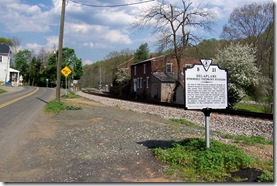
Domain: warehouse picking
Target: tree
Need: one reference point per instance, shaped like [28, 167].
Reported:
[174, 25]
[6, 41]
[142, 53]
[253, 24]
[69, 59]
[248, 22]
[206, 48]
[22, 62]
[243, 74]
[34, 71]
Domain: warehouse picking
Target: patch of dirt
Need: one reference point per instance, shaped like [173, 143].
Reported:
[83, 102]
[248, 175]
[264, 152]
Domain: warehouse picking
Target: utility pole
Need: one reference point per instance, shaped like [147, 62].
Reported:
[58, 87]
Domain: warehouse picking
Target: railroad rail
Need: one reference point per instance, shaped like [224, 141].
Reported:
[155, 102]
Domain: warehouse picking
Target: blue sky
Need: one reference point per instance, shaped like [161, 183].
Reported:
[92, 32]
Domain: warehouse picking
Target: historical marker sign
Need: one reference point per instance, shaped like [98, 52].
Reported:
[206, 87]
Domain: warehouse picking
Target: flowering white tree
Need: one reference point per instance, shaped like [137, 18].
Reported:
[243, 74]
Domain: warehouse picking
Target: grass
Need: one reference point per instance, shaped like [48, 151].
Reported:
[195, 163]
[191, 161]
[56, 107]
[252, 140]
[186, 122]
[71, 95]
[2, 91]
[255, 107]
[251, 108]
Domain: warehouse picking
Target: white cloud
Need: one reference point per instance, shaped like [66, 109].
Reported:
[87, 62]
[90, 44]
[83, 31]
[34, 47]
[51, 45]
[116, 36]
[113, 17]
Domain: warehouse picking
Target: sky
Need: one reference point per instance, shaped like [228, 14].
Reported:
[93, 32]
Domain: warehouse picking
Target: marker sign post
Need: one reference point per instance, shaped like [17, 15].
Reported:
[206, 88]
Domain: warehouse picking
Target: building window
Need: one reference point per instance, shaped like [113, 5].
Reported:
[168, 68]
[140, 82]
[135, 70]
[188, 65]
[144, 68]
[147, 82]
[135, 85]
[1, 60]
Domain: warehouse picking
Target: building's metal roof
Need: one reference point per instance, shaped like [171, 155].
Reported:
[164, 77]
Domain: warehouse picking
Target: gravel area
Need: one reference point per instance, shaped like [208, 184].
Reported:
[234, 125]
[111, 142]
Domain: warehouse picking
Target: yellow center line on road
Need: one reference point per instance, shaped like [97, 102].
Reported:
[19, 98]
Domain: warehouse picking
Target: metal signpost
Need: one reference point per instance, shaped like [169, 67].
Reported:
[66, 71]
[206, 88]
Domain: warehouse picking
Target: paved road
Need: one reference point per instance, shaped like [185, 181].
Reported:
[20, 109]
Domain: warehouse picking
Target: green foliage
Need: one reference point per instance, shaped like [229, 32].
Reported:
[56, 107]
[252, 108]
[6, 41]
[206, 49]
[266, 177]
[2, 91]
[142, 53]
[22, 63]
[71, 95]
[36, 69]
[106, 69]
[212, 164]
[185, 122]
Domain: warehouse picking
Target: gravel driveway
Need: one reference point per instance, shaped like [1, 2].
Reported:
[96, 144]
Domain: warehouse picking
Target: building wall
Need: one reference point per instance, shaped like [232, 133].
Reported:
[156, 89]
[143, 83]
[141, 78]
[167, 92]
[4, 65]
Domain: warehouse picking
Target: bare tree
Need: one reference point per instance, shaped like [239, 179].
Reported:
[248, 22]
[16, 44]
[175, 25]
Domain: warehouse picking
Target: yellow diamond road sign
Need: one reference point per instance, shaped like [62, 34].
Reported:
[66, 71]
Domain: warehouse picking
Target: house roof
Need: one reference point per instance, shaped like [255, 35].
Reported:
[4, 48]
[13, 70]
[164, 77]
[149, 60]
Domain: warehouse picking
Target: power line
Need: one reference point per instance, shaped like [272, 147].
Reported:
[110, 6]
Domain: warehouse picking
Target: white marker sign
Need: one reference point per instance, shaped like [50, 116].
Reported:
[206, 87]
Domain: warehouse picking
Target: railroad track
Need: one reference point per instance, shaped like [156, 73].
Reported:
[154, 102]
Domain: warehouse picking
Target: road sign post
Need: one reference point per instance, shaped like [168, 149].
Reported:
[206, 88]
[66, 71]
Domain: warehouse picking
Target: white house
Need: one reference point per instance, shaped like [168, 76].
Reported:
[7, 74]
